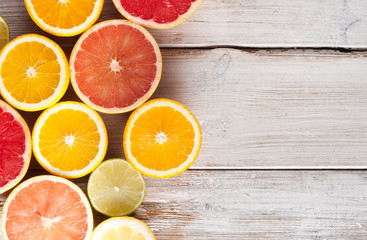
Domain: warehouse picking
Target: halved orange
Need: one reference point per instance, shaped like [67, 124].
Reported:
[34, 72]
[115, 66]
[162, 138]
[15, 147]
[45, 208]
[157, 13]
[69, 139]
[64, 17]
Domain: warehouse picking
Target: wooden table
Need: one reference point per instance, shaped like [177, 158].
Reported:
[280, 91]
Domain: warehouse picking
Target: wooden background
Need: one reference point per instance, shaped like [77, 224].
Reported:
[280, 91]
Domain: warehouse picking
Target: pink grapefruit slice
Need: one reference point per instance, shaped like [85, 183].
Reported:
[15, 147]
[45, 208]
[115, 66]
[157, 13]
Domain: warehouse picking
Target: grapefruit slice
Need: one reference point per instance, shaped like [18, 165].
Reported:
[45, 208]
[157, 13]
[64, 17]
[162, 138]
[15, 147]
[115, 66]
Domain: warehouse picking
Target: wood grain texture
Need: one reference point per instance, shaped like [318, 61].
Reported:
[209, 205]
[250, 23]
[265, 109]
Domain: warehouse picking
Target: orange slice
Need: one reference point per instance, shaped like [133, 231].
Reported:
[157, 13]
[34, 72]
[162, 138]
[122, 228]
[15, 147]
[44, 208]
[115, 66]
[64, 17]
[69, 139]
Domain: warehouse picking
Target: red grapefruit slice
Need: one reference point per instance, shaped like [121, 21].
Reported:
[157, 13]
[115, 66]
[45, 208]
[15, 147]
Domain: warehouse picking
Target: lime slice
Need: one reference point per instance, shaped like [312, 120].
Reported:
[115, 188]
[4, 32]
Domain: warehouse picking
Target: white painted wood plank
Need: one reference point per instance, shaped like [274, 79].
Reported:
[265, 110]
[250, 23]
[209, 205]
[273, 109]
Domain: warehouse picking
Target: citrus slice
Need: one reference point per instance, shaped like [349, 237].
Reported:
[64, 17]
[69, 139]
[15, 147]
[157, 13]
[115, 188]
[4, 32]
[115, 66]
[122, 228]
[34, 72]
[162, 138]
[44, 208]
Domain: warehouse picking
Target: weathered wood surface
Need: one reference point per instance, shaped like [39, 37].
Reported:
[265, 109]
[208, 205]
[245, 23]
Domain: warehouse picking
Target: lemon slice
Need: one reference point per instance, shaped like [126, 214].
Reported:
[69, 139]
[4, 32]
[115, 188]
[122, 228]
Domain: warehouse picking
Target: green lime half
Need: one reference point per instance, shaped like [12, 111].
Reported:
[4, 32]
[115, 188]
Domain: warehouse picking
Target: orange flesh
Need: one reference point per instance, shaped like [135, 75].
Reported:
[129, 52]
[31, 86]
[50, 204]
[63, 15]
[170, 153]
[61, 125]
